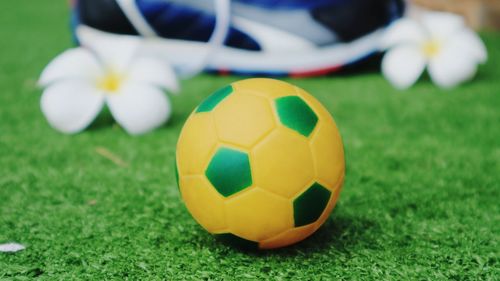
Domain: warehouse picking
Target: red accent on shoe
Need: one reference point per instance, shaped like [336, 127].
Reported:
[315, 72]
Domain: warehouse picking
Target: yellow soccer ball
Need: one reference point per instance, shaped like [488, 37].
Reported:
[260, 161]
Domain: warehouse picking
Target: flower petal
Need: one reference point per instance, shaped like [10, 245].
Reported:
[115, 51]
[71, 105]
[73, 63]
[11, 247]
[403, 31]
[452, 66]
[403, 65]
[139, 108]
[154, 71]
[442, 25]
[471, 43]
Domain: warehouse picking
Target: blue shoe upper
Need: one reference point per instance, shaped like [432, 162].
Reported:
[194, 20]
[291, 4]
[174, 21]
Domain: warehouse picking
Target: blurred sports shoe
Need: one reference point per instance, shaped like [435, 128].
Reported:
[260, 37]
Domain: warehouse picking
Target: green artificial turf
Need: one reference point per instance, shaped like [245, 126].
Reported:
[420, 201]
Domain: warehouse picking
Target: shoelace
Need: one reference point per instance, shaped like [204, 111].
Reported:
[216, 41]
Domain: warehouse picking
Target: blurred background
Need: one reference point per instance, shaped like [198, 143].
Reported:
[480, 14]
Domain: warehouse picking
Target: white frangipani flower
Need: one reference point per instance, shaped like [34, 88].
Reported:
[80, 81]
[439, 41]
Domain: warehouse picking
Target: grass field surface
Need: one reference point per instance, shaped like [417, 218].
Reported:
[420, 200]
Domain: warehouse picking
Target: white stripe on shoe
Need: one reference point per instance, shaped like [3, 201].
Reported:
[133, 13]
[181, 53]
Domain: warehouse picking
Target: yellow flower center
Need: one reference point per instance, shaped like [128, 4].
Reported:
[431, 48]
[111, 82]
